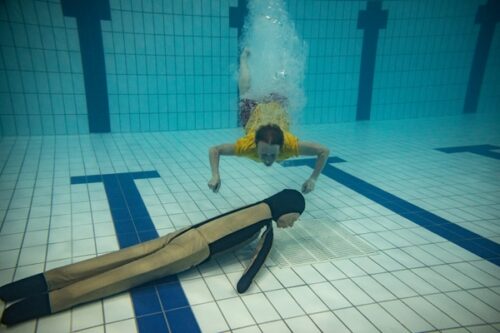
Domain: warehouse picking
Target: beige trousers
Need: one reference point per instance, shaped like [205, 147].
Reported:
[118, 271]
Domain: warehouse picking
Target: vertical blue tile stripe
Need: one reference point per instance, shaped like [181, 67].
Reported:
[371, 20]
[160, 306]
[462, 237]
[483, 150]
[237, 16]
[88, 14]
[236, 20]
[487, 16]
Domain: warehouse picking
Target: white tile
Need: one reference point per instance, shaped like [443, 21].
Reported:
[260, 308]
[330, 296]
[307, 300]
[476, 306]
[406, 316]
[348, 268]
[8, 259]
[209, 318]
[416, 283]
[354, 320]
[6, 275]
[124, 326]
[477, 274]
[458, 278]
[329, 271]
[457, 312]
[84, 247]
[431, 314]
[352, 292]
[440, 253]
[11, 241]
[58, 235]
[266, 280]
[196, 291]
[326, 321]
[284, 303]
[106, 244]
[286, 276]
[274, 327]
[55, 323]
[436, 280]
[487, 266]
[118, 308]
[59, 251]
[302, 324]
[220, 287]
[87, 315]
[377, 241]
[32, 255]
[374, 289]
[34, 238]
[368, 265]
[26, 271]
[487, 296]
[404, 259]
[82, 231]
[308, 274]
[235, 312]
[97, 329]
[249, 329]
[482, 329]
[381, 319]
[423, 256]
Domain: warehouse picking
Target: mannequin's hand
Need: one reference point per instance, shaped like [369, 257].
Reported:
[308, 186]
[214, 184]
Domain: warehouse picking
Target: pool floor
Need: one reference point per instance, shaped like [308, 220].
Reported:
[422, 194]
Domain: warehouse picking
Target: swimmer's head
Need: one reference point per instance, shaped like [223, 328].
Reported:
[269, 140]
[286, 207]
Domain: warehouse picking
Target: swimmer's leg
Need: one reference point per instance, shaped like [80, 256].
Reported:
[244, 76]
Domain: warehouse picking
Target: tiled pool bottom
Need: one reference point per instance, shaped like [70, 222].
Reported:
[432, 217]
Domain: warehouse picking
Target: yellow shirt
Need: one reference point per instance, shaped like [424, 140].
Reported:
[264, 114]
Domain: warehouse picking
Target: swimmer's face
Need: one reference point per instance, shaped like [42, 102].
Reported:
[267, 153]
[287, 220]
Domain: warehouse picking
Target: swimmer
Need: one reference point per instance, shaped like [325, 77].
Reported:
[89, 280]
[267, 138]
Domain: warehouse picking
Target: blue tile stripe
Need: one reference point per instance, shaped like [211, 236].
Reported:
[483, 150]
[488, 15]
[371, 20]
[462, 237]
[88, 14]
[160, 306]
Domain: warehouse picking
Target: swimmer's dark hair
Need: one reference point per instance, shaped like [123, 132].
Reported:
[270, 134]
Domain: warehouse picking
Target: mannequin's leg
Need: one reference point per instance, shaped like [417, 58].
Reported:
[62, 276]
[180, 254]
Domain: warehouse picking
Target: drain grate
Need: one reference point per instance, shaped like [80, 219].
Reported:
[315, 240]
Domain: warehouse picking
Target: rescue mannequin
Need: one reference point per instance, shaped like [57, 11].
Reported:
[64, 287]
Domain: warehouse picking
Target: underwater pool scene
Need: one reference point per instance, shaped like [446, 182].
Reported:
[249, 166]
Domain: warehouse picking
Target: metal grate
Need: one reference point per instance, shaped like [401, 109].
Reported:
[311, 241]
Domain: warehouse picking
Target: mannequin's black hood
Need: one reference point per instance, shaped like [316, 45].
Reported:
[284, 202]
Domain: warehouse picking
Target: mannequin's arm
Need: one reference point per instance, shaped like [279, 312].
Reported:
[261, 252]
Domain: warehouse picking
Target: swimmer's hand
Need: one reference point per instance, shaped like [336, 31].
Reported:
[308, 186]
[214, 184]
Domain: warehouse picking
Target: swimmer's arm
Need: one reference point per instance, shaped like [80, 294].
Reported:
[214, 154]
[322, 152]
